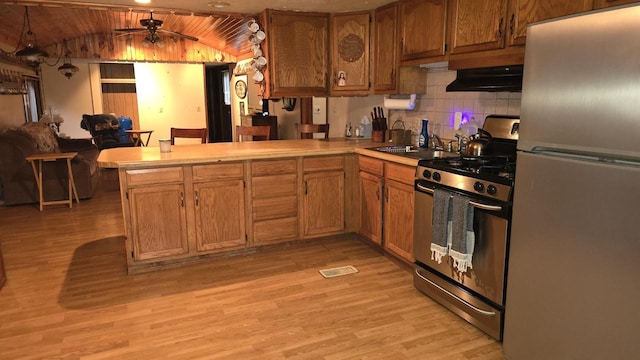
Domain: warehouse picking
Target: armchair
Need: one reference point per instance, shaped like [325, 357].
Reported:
[104, 130]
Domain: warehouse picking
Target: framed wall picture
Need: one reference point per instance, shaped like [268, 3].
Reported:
[241, 89]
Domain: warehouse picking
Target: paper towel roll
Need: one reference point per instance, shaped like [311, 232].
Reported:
[401, 104]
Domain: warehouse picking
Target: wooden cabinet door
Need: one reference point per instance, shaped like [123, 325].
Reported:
[371, 207]
[477, 25]
[298, 51]
[398, 219]
[350, 37]
[158, 221]
[599, 4]
[3, 274]
[219, 214]
[525, 12]
[323, 202]
[385, 49]
[422, 30]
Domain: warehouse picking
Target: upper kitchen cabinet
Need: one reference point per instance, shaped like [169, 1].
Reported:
[486, 33]
[384, 74]
[525, 12]
[599, 4]
[422, 28]
[297, 53]
[350, 38]
[477, 25]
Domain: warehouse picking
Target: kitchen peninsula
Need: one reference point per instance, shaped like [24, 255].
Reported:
[199, 201]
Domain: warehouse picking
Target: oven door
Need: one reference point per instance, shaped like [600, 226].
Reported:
[491, 227]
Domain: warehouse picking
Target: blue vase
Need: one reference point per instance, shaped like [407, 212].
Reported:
[423, 140]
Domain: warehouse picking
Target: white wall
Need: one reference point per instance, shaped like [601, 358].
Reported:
[170, 95]
[68, 97]
[343, 110]
[11, 111]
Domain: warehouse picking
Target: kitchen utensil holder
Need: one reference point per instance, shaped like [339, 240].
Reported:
[377, 135]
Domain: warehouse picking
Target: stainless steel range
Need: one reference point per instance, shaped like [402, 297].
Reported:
[485, 185]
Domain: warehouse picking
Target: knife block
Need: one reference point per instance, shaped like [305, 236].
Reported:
[377, 135]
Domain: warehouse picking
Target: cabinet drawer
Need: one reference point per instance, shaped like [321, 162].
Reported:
[218, 171]
[275, 208]
[154, 176]
[371, 165]
[273, 167]
[323, 163]
[273, 186]
[400, 173]
[275, 230]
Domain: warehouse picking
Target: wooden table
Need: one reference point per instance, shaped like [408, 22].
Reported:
[136, 136]
[37, 172]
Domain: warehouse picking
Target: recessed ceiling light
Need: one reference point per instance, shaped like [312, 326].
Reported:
[143, 1]
[219, 4]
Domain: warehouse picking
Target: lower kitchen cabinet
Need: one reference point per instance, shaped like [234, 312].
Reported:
[274, 189]
[219, 214]
[324, 197]
[217, 197]
[398, 209]
[371, 187]
[158, 221]
[387, 204]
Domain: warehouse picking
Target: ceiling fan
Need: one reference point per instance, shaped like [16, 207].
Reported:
[152, 27]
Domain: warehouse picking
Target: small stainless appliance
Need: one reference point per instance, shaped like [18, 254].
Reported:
[478, 294]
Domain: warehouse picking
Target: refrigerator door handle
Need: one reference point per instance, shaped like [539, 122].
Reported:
[581, 156]
[475, 308]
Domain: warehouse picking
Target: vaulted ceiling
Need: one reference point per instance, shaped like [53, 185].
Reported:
[87, 27]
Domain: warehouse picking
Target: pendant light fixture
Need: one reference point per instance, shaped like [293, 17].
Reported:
[31, 52]
[67, 68]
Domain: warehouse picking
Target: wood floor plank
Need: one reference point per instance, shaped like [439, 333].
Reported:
[68, 296]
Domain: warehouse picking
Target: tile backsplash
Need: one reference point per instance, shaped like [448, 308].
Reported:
[439, 106]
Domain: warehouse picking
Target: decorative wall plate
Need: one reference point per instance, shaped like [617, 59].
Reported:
[351, 47]
[241, 89]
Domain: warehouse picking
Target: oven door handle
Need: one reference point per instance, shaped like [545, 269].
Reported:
[475, 308]
[472, 203]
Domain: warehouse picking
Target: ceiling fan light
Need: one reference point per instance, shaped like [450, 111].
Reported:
[68, 69]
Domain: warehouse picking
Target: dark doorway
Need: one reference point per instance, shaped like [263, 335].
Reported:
[218, 103]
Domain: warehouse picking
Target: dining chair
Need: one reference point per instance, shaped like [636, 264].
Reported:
[188, 133]
[304, 129]
[256, 132]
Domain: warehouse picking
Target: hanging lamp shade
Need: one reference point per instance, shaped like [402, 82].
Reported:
[31, 52]
[68, 69]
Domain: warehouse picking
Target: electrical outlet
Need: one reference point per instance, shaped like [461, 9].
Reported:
[161, 110]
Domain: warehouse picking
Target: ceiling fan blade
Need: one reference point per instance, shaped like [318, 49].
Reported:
[134, 30]
[188, 37]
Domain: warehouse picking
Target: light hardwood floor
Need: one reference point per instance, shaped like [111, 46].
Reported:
[68, 296]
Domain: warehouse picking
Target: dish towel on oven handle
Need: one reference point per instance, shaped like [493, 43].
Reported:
[462, 237]
[441, 224]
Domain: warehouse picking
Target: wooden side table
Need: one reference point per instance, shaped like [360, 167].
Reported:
[37, 172]
[136, 136]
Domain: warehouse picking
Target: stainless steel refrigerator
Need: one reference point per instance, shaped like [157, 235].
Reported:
[573, 288]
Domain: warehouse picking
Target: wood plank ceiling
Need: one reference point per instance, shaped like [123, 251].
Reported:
[88, 32]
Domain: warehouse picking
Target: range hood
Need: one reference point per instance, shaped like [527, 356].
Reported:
[492, 79]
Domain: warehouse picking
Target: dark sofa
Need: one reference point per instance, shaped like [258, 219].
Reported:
[16, 175]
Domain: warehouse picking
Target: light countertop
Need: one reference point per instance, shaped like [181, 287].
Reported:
[130, 157]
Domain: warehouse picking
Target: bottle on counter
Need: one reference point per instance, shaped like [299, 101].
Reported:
[347, 131]
[423, 138]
